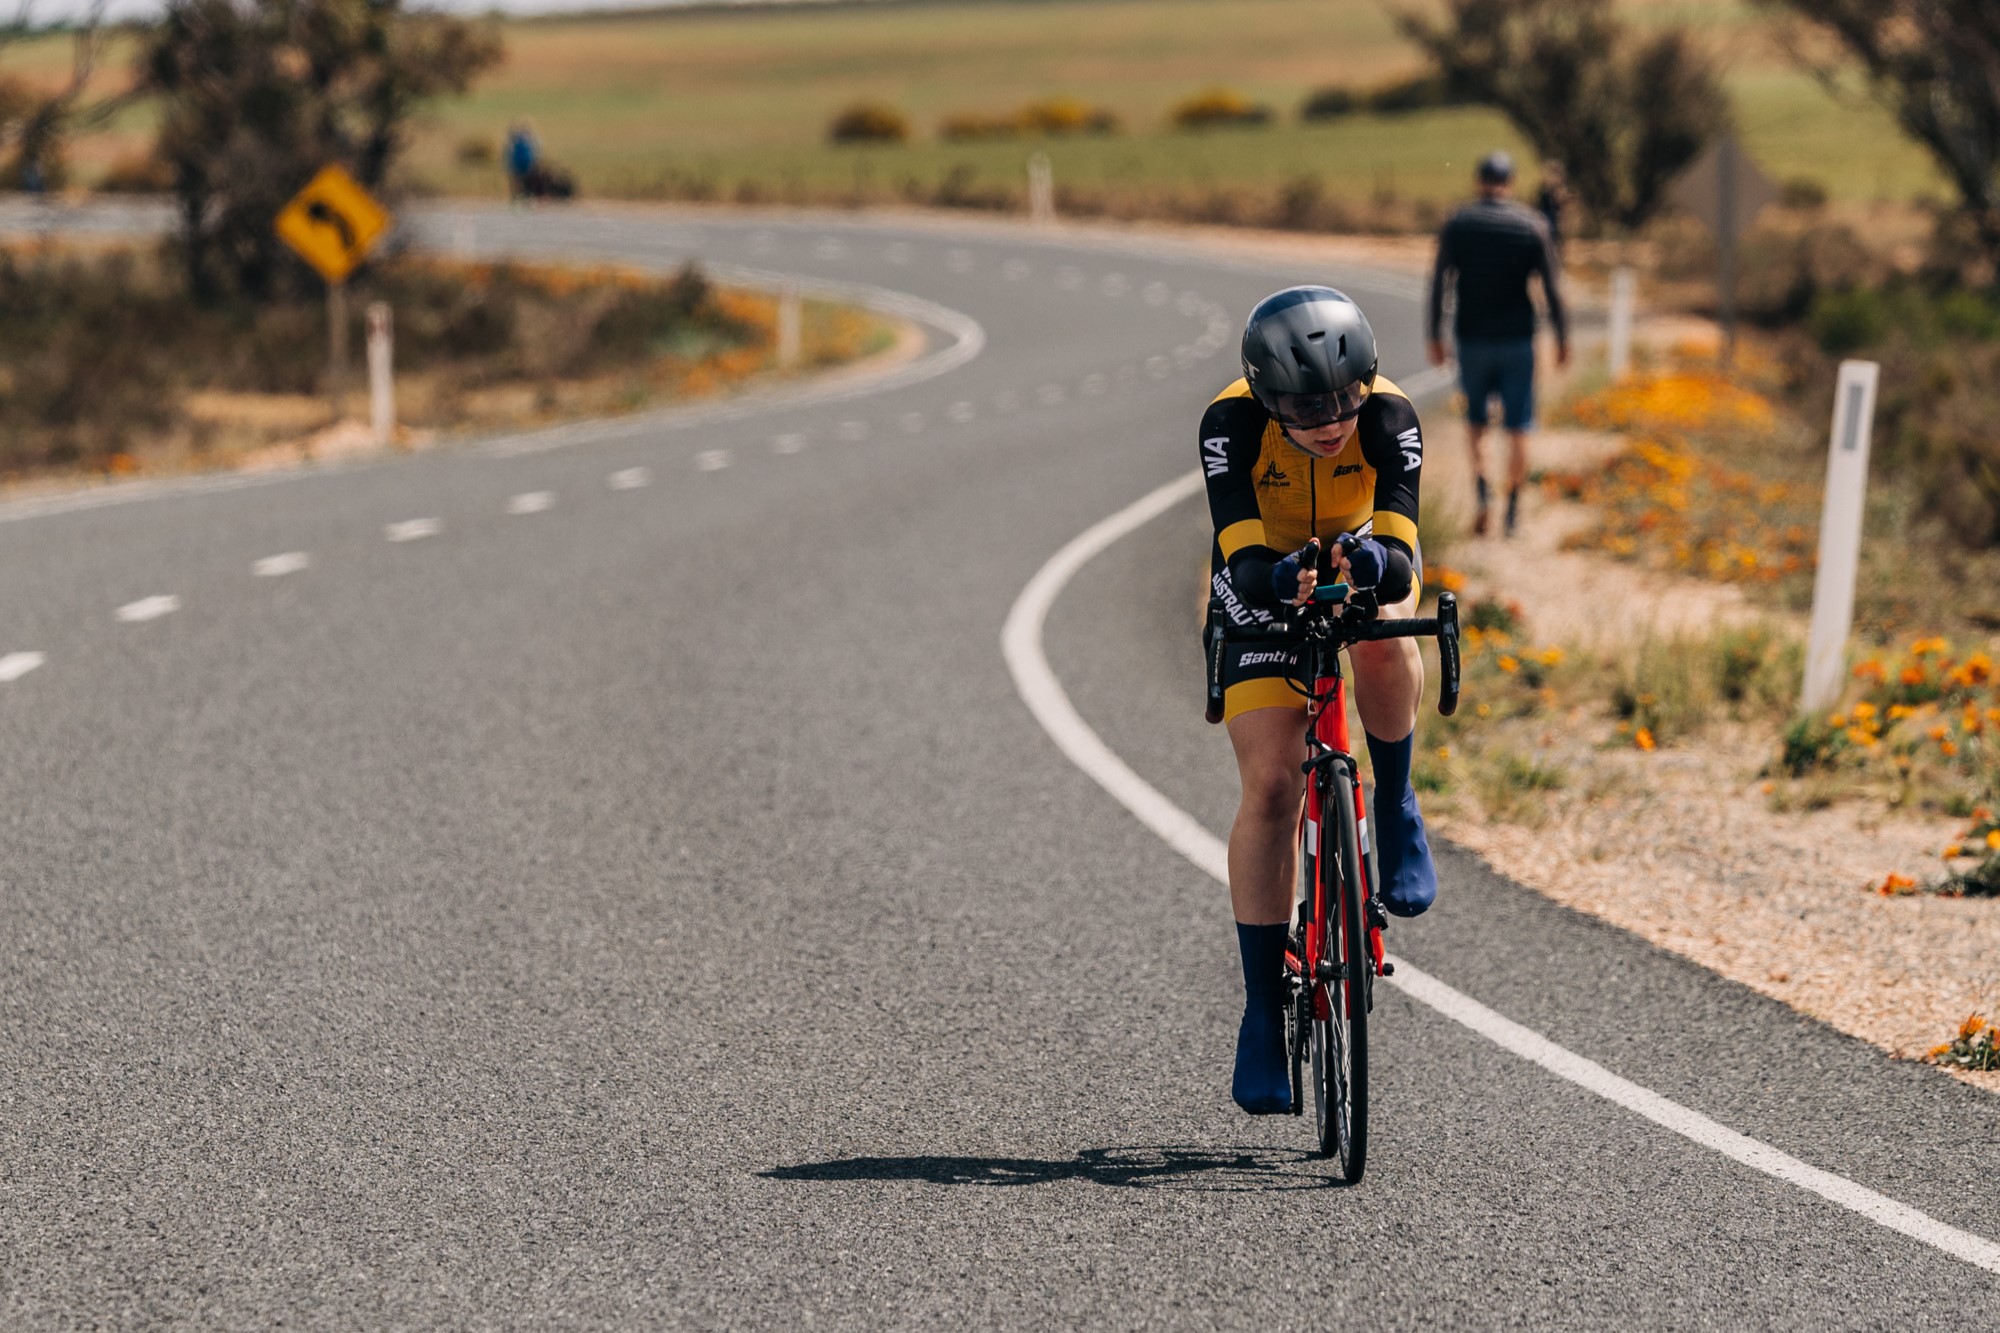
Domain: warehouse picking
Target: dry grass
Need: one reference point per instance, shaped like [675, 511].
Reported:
[106, 365]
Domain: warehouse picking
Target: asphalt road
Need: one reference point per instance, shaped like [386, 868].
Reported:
[656, 907]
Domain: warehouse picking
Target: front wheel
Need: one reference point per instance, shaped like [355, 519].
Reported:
[1340, 1004]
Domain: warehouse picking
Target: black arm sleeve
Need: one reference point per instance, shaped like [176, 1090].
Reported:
[1546, 263]
[1392, 440]
[1435, 319]
[1232, 435]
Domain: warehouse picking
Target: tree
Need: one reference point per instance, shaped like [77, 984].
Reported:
[1935, 64]
[257, 95]
[1624, 114]
[34, 122]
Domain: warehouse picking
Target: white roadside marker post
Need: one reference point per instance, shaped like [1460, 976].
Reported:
[1840, 535]
[1624, 294]
[790, 317]
[381, 377]
[1041, 190]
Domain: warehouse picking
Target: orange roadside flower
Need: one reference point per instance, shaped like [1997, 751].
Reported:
[1896, 886]
[1643, 738]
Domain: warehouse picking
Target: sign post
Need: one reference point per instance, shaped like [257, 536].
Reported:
[1840, 535]
[1624, 295]
[381, 373]
[1726, 191]
[333, 223]
[1041, 189]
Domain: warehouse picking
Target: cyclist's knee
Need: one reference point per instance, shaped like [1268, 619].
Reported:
[1272, 783]
[1271, 792]
[1387, 655]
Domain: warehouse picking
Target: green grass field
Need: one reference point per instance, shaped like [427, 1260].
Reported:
[736, 104]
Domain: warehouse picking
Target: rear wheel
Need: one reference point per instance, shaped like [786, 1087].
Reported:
[1340, 1004]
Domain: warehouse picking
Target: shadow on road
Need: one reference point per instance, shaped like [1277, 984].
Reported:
[1217, 1169]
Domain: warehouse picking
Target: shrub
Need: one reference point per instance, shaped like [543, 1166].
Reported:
[1803, 193]
[869, 122]
[1330, 104]
[1419, 92]
[1842, 322]
[1218, 106]
[1067, 115]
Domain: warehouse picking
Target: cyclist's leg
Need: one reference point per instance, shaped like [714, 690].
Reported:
[1263, 867]
[1388, 683]
[1517, 395]
[1475, 381]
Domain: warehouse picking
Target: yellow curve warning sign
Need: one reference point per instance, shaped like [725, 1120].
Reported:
[332, 223]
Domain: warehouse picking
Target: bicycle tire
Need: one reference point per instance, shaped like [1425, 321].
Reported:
[1340, 1038]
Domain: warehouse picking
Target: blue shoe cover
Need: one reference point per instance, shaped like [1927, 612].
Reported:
[1409, 881]
[1263, 1082]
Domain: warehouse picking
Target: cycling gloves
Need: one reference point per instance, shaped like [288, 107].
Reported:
[1285, 574]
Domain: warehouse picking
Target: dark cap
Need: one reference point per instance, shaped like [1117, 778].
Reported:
[1496, 168]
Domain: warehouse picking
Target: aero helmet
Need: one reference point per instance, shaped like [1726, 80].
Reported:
[1309, 356]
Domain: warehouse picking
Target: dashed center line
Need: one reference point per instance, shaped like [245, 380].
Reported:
[630, 479]
[711, 460]
[531, 502]
[961, 412]
[148, 608]
[1014, 270]
[853, 430]
[276, 566]
[413, 529]
[16, 665]
[788, 443]
[913, 422]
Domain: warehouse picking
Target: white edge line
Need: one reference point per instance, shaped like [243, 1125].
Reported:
[16, 665]
[1021, 645]
[967, 334]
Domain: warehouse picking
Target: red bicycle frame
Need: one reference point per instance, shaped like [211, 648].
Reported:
[1329, 737]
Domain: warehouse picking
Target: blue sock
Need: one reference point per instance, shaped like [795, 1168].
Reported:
[1409, 880]
[1263, 1082]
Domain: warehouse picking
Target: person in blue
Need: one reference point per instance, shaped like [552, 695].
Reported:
[1489, 250]
[520, 159]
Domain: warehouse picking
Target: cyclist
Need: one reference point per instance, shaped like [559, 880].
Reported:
[1310, 447]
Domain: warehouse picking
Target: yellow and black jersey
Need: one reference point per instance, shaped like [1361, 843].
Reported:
[1268, 497]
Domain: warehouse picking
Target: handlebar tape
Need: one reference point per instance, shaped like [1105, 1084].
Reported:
[1447, 637]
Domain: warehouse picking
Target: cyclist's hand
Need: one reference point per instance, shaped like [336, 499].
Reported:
[1562, 355]
[1437, 351]
[1294, 578]
[1362, 561]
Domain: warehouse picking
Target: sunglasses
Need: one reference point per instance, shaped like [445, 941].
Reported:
[1310, 411]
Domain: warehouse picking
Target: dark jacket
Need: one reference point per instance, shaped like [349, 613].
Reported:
[1494, 246]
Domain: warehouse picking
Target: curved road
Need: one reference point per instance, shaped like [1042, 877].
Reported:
[609, 878]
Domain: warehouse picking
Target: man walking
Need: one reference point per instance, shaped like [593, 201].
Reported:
[1492, 247]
